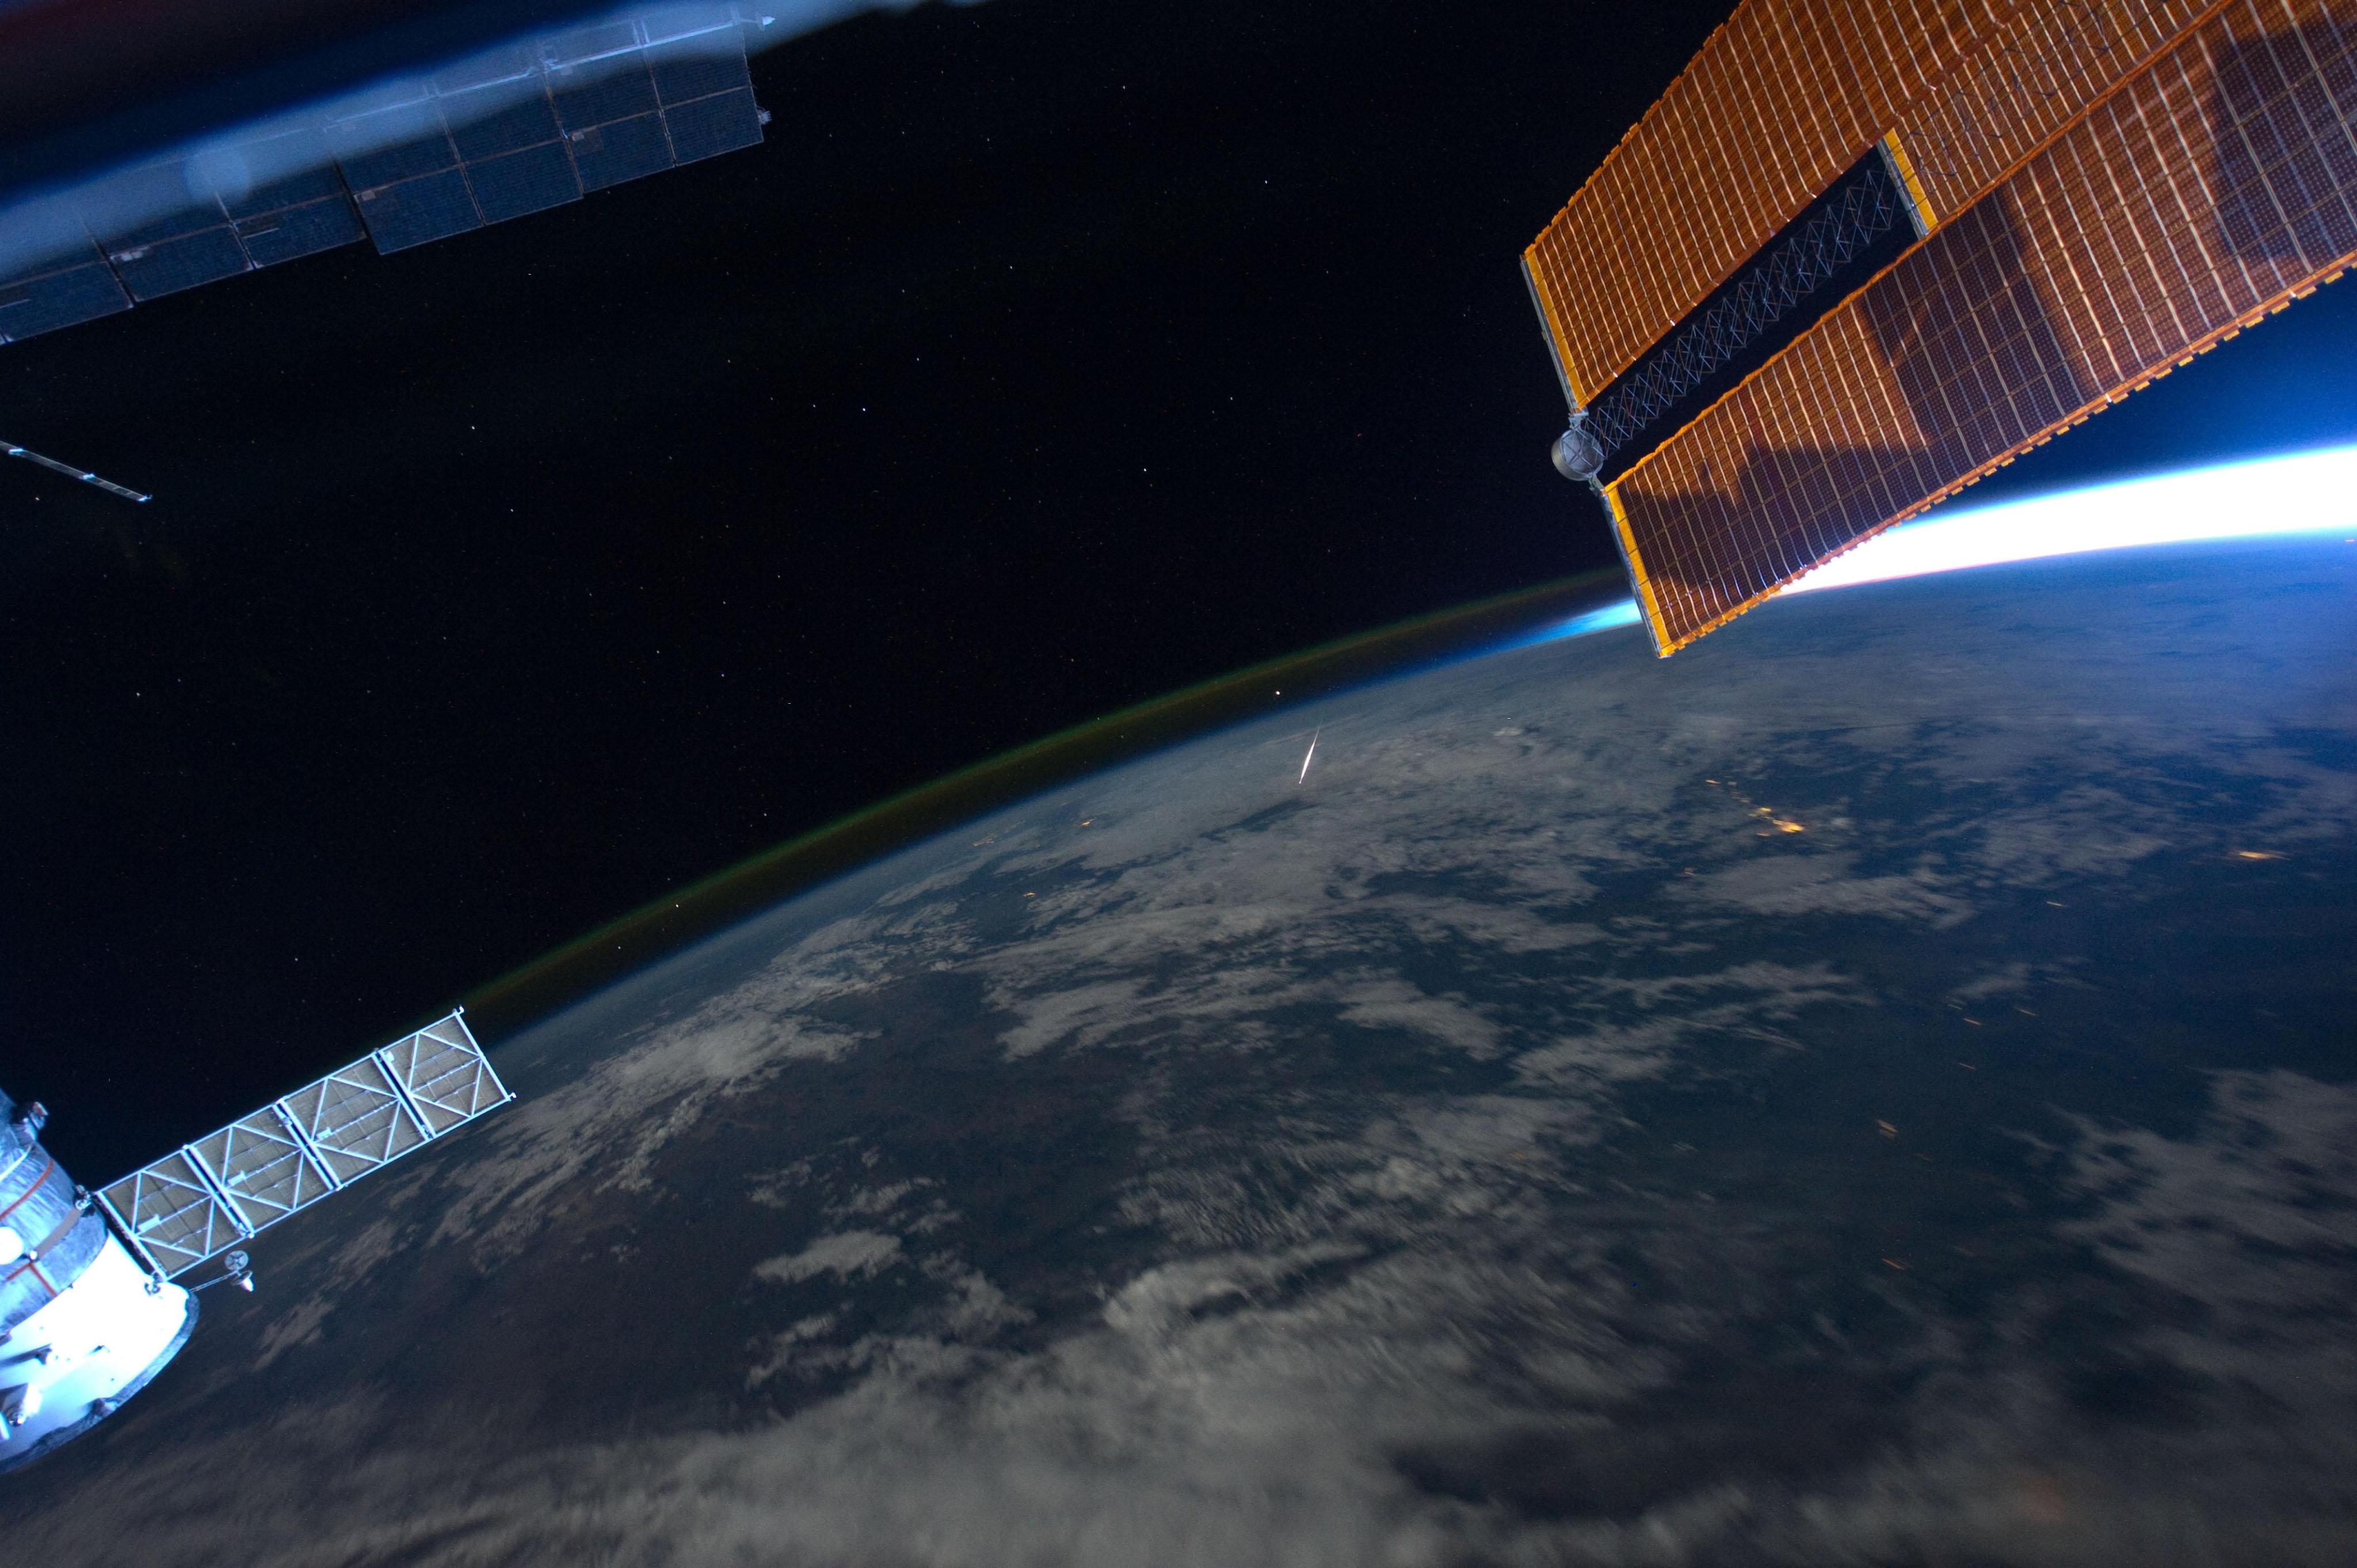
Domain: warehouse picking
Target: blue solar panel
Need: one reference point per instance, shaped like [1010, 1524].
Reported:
[528, 124]
[168, 266]
[583, 102]
[312, 185]
[501, 67]
[77, 291]
[432, 207]
[188, 243]
[291, 231]
[403, 160]
[524, 182]
[171, 225]
[149, 189]
[685, 73]
[607, 38]
[720, 124]
[625, 149]
[411, 160]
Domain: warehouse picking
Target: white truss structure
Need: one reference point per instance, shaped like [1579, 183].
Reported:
[205, 1197]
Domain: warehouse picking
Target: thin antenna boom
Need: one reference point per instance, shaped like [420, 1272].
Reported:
[69, 471]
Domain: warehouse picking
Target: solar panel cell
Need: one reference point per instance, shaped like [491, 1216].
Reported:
[529, 123]
[60, 296]
[443, 1073]
[711, 126]
[687, 71]
[169, 266]
[188, 220]
[404, 160]
[418, 210]
[524, 182]
[275, 195]
[624, 150]
[148, 201]
[174, 1214]
[285, 234]
[259, 1164]
[509, 64]
[584, 99]
[592, 44]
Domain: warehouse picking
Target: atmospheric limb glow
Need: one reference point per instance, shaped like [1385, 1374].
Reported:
[1623, 614]
[2308, 494]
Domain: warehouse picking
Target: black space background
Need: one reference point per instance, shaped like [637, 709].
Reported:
[1050, 355]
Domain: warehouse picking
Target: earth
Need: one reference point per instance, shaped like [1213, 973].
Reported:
[1876, 1087]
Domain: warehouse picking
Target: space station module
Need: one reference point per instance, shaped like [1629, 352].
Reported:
[91, 1303]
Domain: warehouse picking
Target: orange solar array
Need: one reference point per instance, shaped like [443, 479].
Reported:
[2047, 65]
[2219, 182]
[1779, 101]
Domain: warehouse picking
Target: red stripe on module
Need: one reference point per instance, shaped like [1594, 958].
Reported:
[32, 1190]
[36, 1269]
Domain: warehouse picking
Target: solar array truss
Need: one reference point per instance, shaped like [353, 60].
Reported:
[1779, 283]
[517, 131]
[2104, 188]
[10, 449]
[1782, 98]
[209, 1196]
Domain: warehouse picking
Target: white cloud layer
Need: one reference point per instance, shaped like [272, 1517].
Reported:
[1394, 1268]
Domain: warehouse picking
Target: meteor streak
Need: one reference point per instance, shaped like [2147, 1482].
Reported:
[1310, 752]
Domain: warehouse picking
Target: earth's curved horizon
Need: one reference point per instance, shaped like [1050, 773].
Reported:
[1874, 1088]
[675, 919]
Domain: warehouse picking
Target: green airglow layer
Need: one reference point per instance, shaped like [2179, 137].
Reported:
[687, 915]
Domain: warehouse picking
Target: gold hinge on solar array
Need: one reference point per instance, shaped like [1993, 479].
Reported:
[1902, 169]
[1638, 580]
